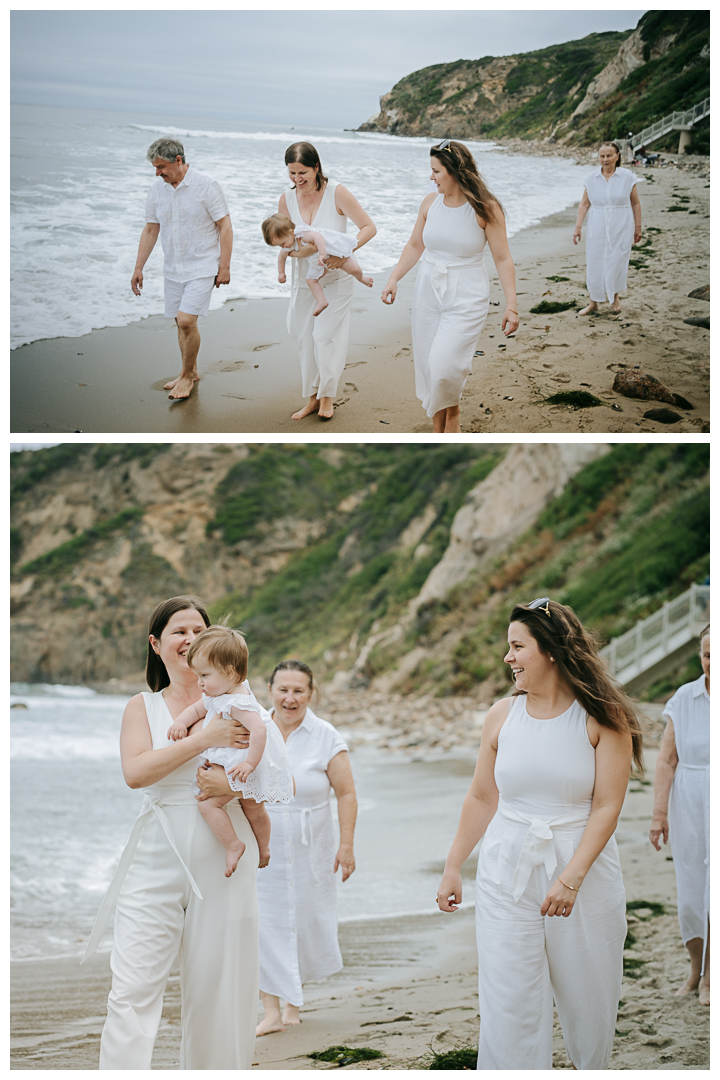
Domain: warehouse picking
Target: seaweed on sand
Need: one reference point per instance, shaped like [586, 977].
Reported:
[552, 307]
[346, 1055]
[578, 399]
[462, 1057]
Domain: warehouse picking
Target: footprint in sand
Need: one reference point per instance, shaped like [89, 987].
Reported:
[261, 348]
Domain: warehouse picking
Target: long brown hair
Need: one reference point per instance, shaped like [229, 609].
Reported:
[574, 649]
[460, 163]
[156, 675]
[304, 153]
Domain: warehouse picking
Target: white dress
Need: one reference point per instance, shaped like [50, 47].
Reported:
[173, 901]
[336, 243]
[297, 892]
[450, 304]
[545, 773]
[610, 230]
[322, 341]
[271, 780]
[689, 710]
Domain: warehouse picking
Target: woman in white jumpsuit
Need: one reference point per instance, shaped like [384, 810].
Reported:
[313, 200]
[171, 894]
[612, 205]
[684, 765]
[297, 893]
[452, 292]
[546, 796]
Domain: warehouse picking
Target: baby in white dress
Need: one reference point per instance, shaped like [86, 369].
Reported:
[259, 774]
[280, 231]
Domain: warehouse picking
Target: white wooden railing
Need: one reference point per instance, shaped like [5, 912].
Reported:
[676, 121]
[663, 633]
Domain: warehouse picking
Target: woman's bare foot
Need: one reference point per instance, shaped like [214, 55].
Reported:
[264, 854]
[367, 281]
[232, 858]
[690, 984]
[325, 408]
[268, 1025]
[704, 992]
[321, 305]
[312, 406]
[291, 1014]
[616, 308]
[182, 386]
[592, 306]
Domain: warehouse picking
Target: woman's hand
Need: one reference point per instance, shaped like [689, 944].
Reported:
[511, 319]
[222, 732]
[449, 892]
[282, 278]
[577, 235]
[389, 292]
[332, 262]
[559, 900]
[345, 858]
[637, 236]
[659, 827]
[212, 781]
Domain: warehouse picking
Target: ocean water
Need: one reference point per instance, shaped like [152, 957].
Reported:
[79, 180]
[71, 814]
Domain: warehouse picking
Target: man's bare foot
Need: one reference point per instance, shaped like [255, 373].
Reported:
[703, 993]
[232, 858]
[312, 406]
[321, 305]
[171, 385]
[291, 1014]
[325, 408]
[589, 309]
[690, 984]
[268, 1025]
[182, 387]
[264, 858]
[367, 281]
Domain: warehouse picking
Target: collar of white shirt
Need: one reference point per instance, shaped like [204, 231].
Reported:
[699, 687]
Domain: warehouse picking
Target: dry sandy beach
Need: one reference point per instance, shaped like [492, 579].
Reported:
[111, 380]
[408, 987]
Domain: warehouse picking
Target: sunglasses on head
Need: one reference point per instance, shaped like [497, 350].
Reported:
[444, 145]
[543, 603]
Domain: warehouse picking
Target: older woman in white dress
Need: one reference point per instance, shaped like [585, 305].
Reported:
[683, 765]
[612, 206]
[297, 892]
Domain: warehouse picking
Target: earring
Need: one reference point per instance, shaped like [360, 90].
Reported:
[552, 659]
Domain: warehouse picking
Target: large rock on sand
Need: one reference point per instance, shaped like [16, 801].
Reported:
[636, 384]
[700, 294]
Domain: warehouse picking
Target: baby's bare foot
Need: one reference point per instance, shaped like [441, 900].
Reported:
[320, 307]
[232, 858]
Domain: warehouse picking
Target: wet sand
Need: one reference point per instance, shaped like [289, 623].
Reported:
[111, 380]
[409, 985]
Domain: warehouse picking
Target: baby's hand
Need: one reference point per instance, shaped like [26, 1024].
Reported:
[241, 772]
[282, 278]
[177, 731]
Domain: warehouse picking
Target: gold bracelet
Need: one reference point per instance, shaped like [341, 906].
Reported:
[511, 309]
[566, 885]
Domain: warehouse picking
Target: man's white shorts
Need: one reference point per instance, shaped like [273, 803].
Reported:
[192, 297]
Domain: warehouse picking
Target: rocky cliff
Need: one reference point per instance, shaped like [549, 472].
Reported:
[385, 565]
[576, 93]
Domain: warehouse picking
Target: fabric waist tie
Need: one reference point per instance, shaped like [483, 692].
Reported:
[537, 848]
[151, 805]
[306, 828]
[440, 267]
[684, 765]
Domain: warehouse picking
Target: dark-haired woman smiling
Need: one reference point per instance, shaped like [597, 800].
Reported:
[548, 788]
[452, 291]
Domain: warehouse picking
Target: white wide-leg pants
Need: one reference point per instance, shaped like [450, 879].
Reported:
[158, 916]
[526, 959]
[323, 339]
[445, 332]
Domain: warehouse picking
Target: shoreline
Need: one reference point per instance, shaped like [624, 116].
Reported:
[111, 379]
[409, 983]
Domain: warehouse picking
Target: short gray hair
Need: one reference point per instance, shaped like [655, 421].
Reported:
[166, 149]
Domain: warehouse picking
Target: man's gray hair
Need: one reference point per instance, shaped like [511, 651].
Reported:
[166, 149]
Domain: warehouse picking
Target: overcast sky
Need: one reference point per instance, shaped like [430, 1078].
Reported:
[264, 66]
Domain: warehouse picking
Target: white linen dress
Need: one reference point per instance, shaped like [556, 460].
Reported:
[609, 235]
[173, 900]
[689, 710]
[545, 773]
[450, 304]
[322, 341]
[271, 780]
[297, 892]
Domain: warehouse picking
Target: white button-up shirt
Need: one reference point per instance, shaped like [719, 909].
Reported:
[186, 215]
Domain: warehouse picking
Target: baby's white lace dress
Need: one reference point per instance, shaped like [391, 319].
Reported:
[271, 780]
[336, 243]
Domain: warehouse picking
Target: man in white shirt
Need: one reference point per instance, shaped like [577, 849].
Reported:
[187, 210]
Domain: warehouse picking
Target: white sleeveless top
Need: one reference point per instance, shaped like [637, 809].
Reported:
[545, 774]
[173, 789]
[452, 231]
[326, 217]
